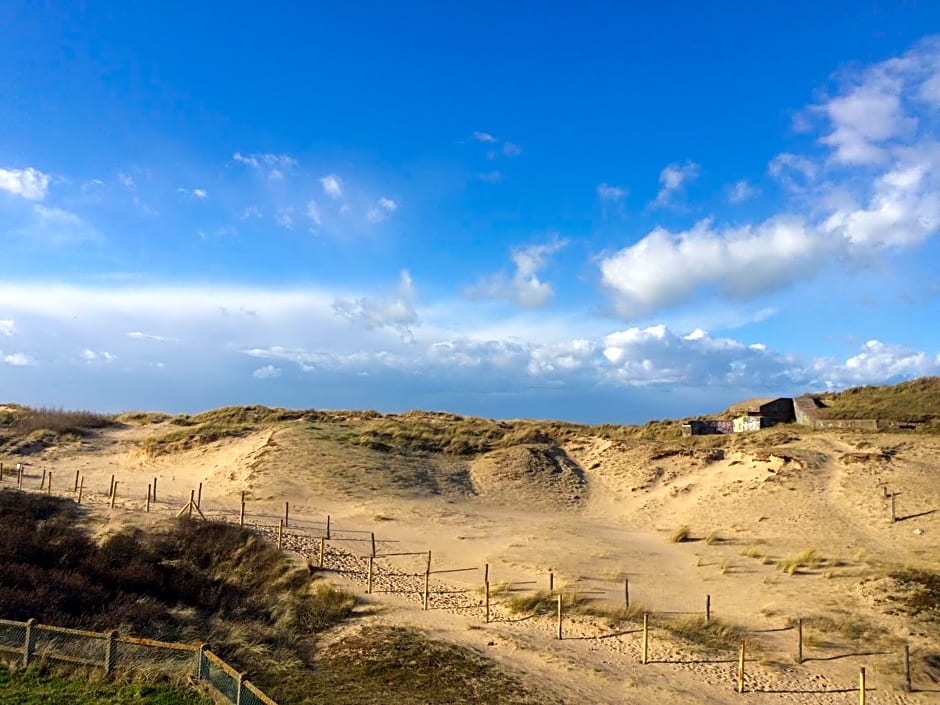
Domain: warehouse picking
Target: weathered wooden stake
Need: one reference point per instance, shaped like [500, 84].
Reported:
[199, 497]
[741, 667]
[1, 471]
[884, 491]
[154, 489]
[861, 686]
[626, 592]
[280, 533]
[192, 502]
[799, 640]
[322, 550]
[109, 645]
[371, 567]
[646, 638]
[327, 527]
[894, 516]
[81, 488]
[373, 544]
[42, 483]
[708, 608]
[427, 584]
[551, 581]
[241, 515]
[49, 484]
[76, 481]
[486, 590]
[559, 616]
[113, 494]
[111, 488]
[148, 498]
[286, 513]
[907, 668]
[486, 572]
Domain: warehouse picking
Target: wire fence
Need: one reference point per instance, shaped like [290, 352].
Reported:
[32, 643]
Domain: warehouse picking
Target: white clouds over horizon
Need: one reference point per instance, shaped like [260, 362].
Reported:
[524, 287]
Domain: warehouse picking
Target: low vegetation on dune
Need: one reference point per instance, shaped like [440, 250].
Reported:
[24, 429]
[917, 401]
[35, 687]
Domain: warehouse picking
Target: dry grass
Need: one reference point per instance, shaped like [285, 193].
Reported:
[809, 558]
[25, 430]
[680, 535]
[712, 634]
[917, 401]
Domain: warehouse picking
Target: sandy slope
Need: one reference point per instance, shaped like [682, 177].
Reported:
[596, 512]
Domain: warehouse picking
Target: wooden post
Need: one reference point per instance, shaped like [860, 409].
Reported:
[884, 491]
[907, 669]
[81, 487]
[42, 482]
[286, 513]
[861, 686]
[76, 481]
[486, 590]
[109, 652]
[199, 497]
[238, 692]
[192, 502]
[799, 640]
[427, 584]
[280, 533]
[708, 608]
[155, 489]
[148, 498]
[559, 616]
[551, 581]
[373, 544]
[626, 592]
[49, 484]
[111, 487]
[371, 568]
[894, 516]
[486, 572]
[241, 515]
[741, 667]
[30, 644]
[113, 494]
[322, 549]
[1, 471]
[327, 527]
[646, 638]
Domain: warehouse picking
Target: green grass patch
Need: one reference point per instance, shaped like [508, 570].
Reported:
[34, 687]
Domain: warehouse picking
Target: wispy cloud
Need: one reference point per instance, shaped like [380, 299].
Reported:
[92, 357]
[138, 335]
[19, 360]
[672, 179]
[267, 372]
[285, 218]
[741, 191]
[62, 226]
[275, 165]
[608, 192]
[485, 137]
[29, 183]
[313, 213]
[251, 212]
[381, 210]
[7, 327]
[394, 312]
[511, 150]
[197, 193]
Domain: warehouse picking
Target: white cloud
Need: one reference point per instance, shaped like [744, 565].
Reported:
[878, 363]
[267, 372]
[484, 137]
[90, 356]
[138, 335]
[375, 312]
[332, 186]
[276, 165]
[381, 210]
[28, 183]
[251, 212]
[285, 218]
[7, 327]
[524, 287]
[196, 193]
[19, 360]
[127, 181]
[742, 191]
[313, 212]
[511, 150]
[672, 178]
[62, 226]
[607, 192]
[792, 170]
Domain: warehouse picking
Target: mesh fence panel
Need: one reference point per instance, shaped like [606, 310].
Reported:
[12, 636]
[252, 696]
[220, 678]
[72, 646]
[130, 655]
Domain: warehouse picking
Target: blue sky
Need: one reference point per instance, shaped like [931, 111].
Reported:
[601, 214]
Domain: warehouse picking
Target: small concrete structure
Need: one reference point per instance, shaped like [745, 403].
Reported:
[779, 409]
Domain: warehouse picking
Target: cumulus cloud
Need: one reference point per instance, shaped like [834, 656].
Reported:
[19, 360]
[524, 286]
[28, 183]
[90, 356]
[375, 312]
[332, 186]
[879, 363]
[267, 372]
[672, 179]
[882, 195]
[7, 327]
